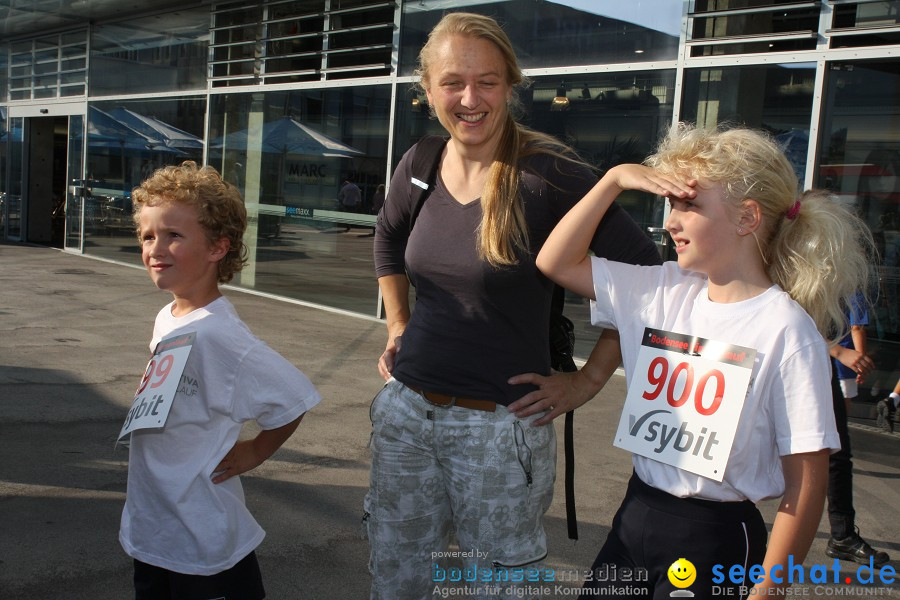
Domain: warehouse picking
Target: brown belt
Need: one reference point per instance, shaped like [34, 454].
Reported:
[446, 400]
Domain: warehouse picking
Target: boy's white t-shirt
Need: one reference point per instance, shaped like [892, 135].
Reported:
[175, 517]
[788, 409]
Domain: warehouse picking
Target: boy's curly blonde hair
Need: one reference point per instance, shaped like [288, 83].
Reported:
[219, 206]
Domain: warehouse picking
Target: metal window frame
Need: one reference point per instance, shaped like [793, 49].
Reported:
[21, 57]
[260, 47]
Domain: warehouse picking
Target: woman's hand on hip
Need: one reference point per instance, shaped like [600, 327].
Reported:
[386, 360]
[557, 394]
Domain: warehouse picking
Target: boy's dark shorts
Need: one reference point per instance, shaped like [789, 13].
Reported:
[243, 581]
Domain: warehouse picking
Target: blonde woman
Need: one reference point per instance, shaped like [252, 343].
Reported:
[458, 441]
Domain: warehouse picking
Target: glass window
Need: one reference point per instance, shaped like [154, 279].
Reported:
[861, 24]
[859, 160]
[782, 27]
[4, 149]
[160, 53]
[4, 68]
[302, 40]
[561, 32]
[13, 191]
[290, 154]
[48, 67]
[126, 141]
[866, 14]
[776, 98]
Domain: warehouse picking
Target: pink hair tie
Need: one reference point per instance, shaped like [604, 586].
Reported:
[793, 211]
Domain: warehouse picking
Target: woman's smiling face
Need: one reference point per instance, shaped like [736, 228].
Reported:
[468, 88]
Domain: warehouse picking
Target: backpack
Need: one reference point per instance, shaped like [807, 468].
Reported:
[425, 162]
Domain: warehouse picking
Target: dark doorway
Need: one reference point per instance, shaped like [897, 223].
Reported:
[46, 195]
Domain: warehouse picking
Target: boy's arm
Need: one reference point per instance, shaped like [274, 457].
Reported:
[249, 454]
[564, 257]
[806, 481]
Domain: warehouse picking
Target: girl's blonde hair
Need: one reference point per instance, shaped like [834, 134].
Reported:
[503, 233]
[812, 246]
[219, 206]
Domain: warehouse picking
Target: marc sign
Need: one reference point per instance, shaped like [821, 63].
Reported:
[684, 401]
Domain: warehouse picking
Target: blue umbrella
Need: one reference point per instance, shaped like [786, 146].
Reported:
[154, 128]
[288, 136]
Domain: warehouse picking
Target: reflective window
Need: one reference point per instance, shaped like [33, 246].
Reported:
[160, 53]
[860, 24]
[4, 69]
[301, 40]
[291, 154]
[776, 98]
[126, 142]
[859, 160]
[608, 118]
[13, 193]
[561, 32]
[75, 185]
[752, 26]
[48, 67]
[4, 149]
[866, 14]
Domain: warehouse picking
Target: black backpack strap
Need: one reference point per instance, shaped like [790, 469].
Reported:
[425, 162]
[562, 346]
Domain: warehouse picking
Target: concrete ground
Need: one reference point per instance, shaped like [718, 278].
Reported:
[73, 344]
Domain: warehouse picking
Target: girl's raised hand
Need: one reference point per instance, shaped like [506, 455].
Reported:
[646, 179]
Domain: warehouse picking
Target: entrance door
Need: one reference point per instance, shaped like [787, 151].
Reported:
[49, 175]
[75, 189]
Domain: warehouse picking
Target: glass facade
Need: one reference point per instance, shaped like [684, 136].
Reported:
[289, 153]
[74, 207]
[290, 99]
[12, 192]
[859, 160]
[776, 98]
[4, 159]
[53, 66]
[159, 53]
[563, 32]
[126, 141]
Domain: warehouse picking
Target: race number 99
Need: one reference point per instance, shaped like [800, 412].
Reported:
[156, 371]
[659, 378]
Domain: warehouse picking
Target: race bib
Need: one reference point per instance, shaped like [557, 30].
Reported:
[685, 400]
[156, 392]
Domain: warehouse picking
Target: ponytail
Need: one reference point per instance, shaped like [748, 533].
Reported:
[821, 257]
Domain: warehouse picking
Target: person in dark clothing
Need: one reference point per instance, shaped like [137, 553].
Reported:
[447, 452]
[845, 542]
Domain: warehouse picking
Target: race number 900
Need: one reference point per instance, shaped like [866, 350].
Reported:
[658, 375]
[156, 371]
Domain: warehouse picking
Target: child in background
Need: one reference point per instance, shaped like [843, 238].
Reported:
[185, 522]
[753, 260]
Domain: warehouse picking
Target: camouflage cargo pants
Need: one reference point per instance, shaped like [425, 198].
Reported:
[487, 476]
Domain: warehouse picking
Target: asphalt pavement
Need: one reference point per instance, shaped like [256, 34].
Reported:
[73, 344]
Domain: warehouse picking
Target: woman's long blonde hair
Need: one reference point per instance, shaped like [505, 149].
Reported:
[812, 246]
[503, 234]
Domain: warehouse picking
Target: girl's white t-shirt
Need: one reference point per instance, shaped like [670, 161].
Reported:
[175, 517]
[788, 409]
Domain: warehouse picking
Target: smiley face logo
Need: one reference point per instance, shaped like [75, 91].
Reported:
[682, 573]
